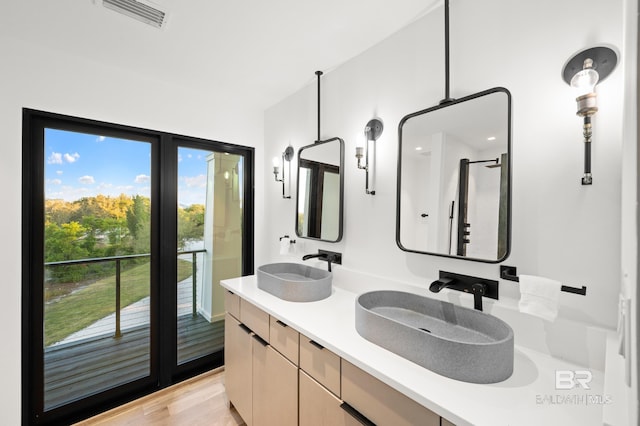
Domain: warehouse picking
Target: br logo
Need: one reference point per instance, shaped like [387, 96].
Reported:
[569, 379]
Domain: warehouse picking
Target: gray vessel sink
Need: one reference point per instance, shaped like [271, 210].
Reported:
[456, 342]
[295, 282]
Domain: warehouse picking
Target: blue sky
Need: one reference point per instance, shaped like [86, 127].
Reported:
[81, 165]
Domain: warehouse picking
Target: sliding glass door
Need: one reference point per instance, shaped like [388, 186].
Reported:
[121, 288]
[210, 245]
[96, 295]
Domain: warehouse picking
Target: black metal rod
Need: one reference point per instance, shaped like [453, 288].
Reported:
[495, 160]
[318, 73]
[446, 50]
[463, 195]
[118, 332]
[447, 94]
[112, 258]
[510, 273]
[194, 271]
[587, 144]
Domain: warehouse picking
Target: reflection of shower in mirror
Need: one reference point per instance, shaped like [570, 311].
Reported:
[470, 135]
[478, 192]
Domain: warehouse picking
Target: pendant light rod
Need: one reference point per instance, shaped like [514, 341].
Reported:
[447, 97]
[318, 73]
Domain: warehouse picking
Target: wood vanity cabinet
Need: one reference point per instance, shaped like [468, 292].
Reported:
[321, 364]
[238, 355]
[260, 382]
[276, 376]
[275, 387]
[319, 407]
[380, 403]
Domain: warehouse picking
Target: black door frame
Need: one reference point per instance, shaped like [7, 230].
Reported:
[164, 368]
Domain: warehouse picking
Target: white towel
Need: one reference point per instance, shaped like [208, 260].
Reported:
[285, 245]
[539, 296]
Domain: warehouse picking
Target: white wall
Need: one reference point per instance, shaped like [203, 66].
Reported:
[561, 229]
[48, 80]
[630, 215]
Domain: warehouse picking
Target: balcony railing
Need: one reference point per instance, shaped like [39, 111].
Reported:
[117, 260]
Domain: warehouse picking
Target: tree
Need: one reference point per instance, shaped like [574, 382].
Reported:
[64, 242]
[190, 224]
[138, 218]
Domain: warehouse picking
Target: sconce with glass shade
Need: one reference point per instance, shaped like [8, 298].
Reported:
[287, 155]
[372, 132]
[583, 72]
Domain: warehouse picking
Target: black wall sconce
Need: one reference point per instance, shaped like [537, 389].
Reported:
[287, 155]
[583, 72]
[372, 132]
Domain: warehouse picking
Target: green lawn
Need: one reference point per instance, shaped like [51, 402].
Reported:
[97, 300]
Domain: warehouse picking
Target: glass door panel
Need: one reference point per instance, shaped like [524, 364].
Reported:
[210, 246]
[96, 290]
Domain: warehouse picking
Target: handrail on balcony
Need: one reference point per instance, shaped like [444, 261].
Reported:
[117, 260]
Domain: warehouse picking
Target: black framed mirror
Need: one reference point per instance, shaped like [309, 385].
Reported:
[319, 199]
[454, 178]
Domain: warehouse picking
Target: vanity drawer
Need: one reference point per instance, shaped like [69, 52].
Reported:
[232, 303]
[321, 364]
[255, 318]
[284, 339]
[319, 407]
[379, 402]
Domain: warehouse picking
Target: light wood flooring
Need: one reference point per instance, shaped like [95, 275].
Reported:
[198, 401]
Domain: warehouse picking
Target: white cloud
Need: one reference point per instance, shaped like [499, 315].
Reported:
[68, 193]
[87, 180]
[71, 158]
[54, 181]
[199, 181]
[100, 139]
[104, 187]
[59, 172]
[142, 179]
[55, 158]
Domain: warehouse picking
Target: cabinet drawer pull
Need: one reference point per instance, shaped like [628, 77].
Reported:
[316, 344]
[245, 328]
[260, 340]
[356, 415]
[230, 292]
[280, 323]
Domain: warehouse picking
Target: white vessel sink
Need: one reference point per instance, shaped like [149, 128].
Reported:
[295, 282]
[456, 342]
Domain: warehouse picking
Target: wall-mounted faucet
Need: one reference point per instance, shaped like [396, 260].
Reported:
[328, 256]
[479, 287]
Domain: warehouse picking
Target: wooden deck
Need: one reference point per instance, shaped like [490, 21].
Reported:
[78, 369]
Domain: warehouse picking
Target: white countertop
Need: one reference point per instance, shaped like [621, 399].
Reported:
[528, 397]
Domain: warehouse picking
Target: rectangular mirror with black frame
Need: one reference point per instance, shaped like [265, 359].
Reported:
[320, 191]
[454, 178]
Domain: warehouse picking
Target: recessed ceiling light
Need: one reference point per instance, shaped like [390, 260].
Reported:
[491, 138]
[418, 148]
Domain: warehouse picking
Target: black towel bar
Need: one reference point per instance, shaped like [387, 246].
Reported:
[509, 273]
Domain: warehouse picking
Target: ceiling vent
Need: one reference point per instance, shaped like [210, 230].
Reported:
[143, 11]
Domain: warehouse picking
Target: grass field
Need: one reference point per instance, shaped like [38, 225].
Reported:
[83, 307]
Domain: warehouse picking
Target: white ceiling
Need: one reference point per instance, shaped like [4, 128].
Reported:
[256, 51]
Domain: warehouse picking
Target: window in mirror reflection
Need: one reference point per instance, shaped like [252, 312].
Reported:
[319, 208]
